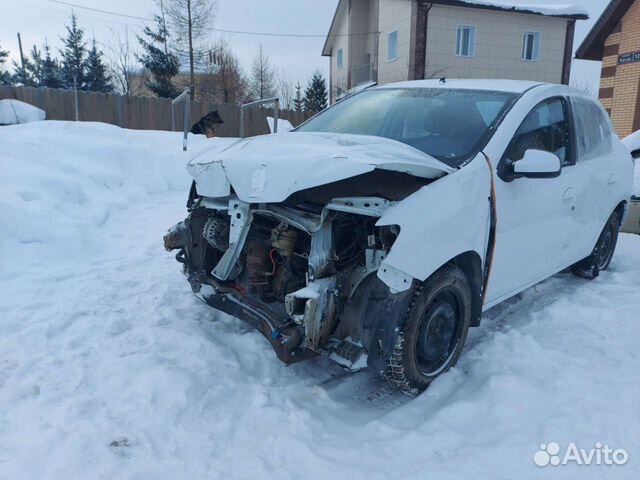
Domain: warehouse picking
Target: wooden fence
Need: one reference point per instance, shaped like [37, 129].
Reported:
[142, 113]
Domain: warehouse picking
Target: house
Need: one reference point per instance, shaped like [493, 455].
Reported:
[615, 40]
[385, 41]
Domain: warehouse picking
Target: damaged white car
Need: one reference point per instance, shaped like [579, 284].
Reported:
[378, 231]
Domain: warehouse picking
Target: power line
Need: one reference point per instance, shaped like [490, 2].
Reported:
[220, 30]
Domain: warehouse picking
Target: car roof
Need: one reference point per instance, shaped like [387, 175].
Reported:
[511, 86]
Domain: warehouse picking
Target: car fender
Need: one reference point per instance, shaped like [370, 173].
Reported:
[437, 223]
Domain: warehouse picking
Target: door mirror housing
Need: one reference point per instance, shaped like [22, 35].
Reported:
[635, 154]
[537, 164]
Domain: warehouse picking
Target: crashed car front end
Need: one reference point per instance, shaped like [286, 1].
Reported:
[304, 270]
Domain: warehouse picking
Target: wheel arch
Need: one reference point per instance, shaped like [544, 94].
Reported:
[621, 209]
[471, 265]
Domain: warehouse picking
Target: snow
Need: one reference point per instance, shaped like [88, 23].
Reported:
[543, 7]
[283, 125]
[632, 142]
[14, 111]
[111, 368]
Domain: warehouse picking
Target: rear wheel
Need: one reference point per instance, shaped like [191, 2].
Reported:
[601, 256]
[433, 334]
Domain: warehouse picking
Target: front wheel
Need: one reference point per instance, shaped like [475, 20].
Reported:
[434, 330]
[600, 258]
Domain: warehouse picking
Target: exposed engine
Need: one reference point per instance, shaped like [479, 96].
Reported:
[288, 270]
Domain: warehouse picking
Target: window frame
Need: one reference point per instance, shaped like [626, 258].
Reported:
[394, 35]
[505, 166]
[340, 59]
[535, 49]
[605, 117]
[472, 40]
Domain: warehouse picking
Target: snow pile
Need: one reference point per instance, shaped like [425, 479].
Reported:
[283, 125]
[632, 142]
[13, 112]
[543, 7]
[110, 368]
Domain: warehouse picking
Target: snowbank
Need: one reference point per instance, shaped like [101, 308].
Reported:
[110, 368]
[283, 125]
[13, 112]
[632, 142]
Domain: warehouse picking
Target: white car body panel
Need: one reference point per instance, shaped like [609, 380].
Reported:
[269, 168]
[543, 225]
[440, 221]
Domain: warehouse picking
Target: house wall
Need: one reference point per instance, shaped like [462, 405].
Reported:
[340, 76]
[498, 47]
[394, 15]
[620, 84]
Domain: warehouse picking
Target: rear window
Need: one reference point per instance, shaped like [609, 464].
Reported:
[593, 129]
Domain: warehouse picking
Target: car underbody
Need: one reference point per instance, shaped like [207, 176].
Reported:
[302, 272]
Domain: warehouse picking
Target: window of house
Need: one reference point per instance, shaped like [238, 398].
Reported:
[531, 47]
[393, 46]
[545, 128]
[339, 58]
[466, 41]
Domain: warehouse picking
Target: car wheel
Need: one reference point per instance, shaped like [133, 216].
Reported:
[600, 258]
[433, 333]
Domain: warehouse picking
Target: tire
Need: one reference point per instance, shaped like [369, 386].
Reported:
[434, 331]
[602, 253]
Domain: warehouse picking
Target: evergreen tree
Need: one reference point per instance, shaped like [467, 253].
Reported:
[5, 77]
[50, 74]
[23, 73]
[315, 96]
[96, 76]
[298, 101]
[74, 56]
[161, 64]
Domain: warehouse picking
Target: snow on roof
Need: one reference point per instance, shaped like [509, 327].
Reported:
[515, 86]
[540, 7]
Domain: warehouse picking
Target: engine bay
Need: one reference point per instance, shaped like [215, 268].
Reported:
[288, 270]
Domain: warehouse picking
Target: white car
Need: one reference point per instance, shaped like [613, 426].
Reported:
[379, 231]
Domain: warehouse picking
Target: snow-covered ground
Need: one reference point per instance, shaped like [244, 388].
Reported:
[111, 369]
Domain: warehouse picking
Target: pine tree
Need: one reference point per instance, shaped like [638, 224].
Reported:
[157, 59]
[23, 73]
[5, 77]
[50, 76]
[74, 56]
[96, 76]
[298, 101]
[315, 96]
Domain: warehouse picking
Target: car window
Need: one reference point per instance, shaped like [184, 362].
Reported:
[545, 128]
[593, 129]
[448, 124]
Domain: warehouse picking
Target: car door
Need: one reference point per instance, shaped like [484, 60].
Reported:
[534, 224]
[597, 162]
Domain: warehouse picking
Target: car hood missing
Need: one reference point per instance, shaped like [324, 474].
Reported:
[270, 168]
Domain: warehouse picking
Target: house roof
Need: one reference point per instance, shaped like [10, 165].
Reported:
[536, 7]
[592, 48]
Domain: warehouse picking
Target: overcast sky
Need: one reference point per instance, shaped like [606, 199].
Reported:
[299, 57]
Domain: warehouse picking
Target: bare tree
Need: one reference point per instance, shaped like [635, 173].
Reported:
[224, 80]
[285, 90]
[262, 83]
[122, 61]
[191, 22]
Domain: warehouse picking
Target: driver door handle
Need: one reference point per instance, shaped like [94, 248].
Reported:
[569, 193]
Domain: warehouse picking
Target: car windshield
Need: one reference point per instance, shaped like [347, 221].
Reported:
[449, 125]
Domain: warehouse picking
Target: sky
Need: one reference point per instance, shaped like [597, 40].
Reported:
[299, 57]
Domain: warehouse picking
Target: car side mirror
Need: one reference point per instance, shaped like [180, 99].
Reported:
[538, 164]
[635, 154]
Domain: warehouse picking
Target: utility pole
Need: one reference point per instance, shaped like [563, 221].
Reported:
[193, 86]
[24, 72]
